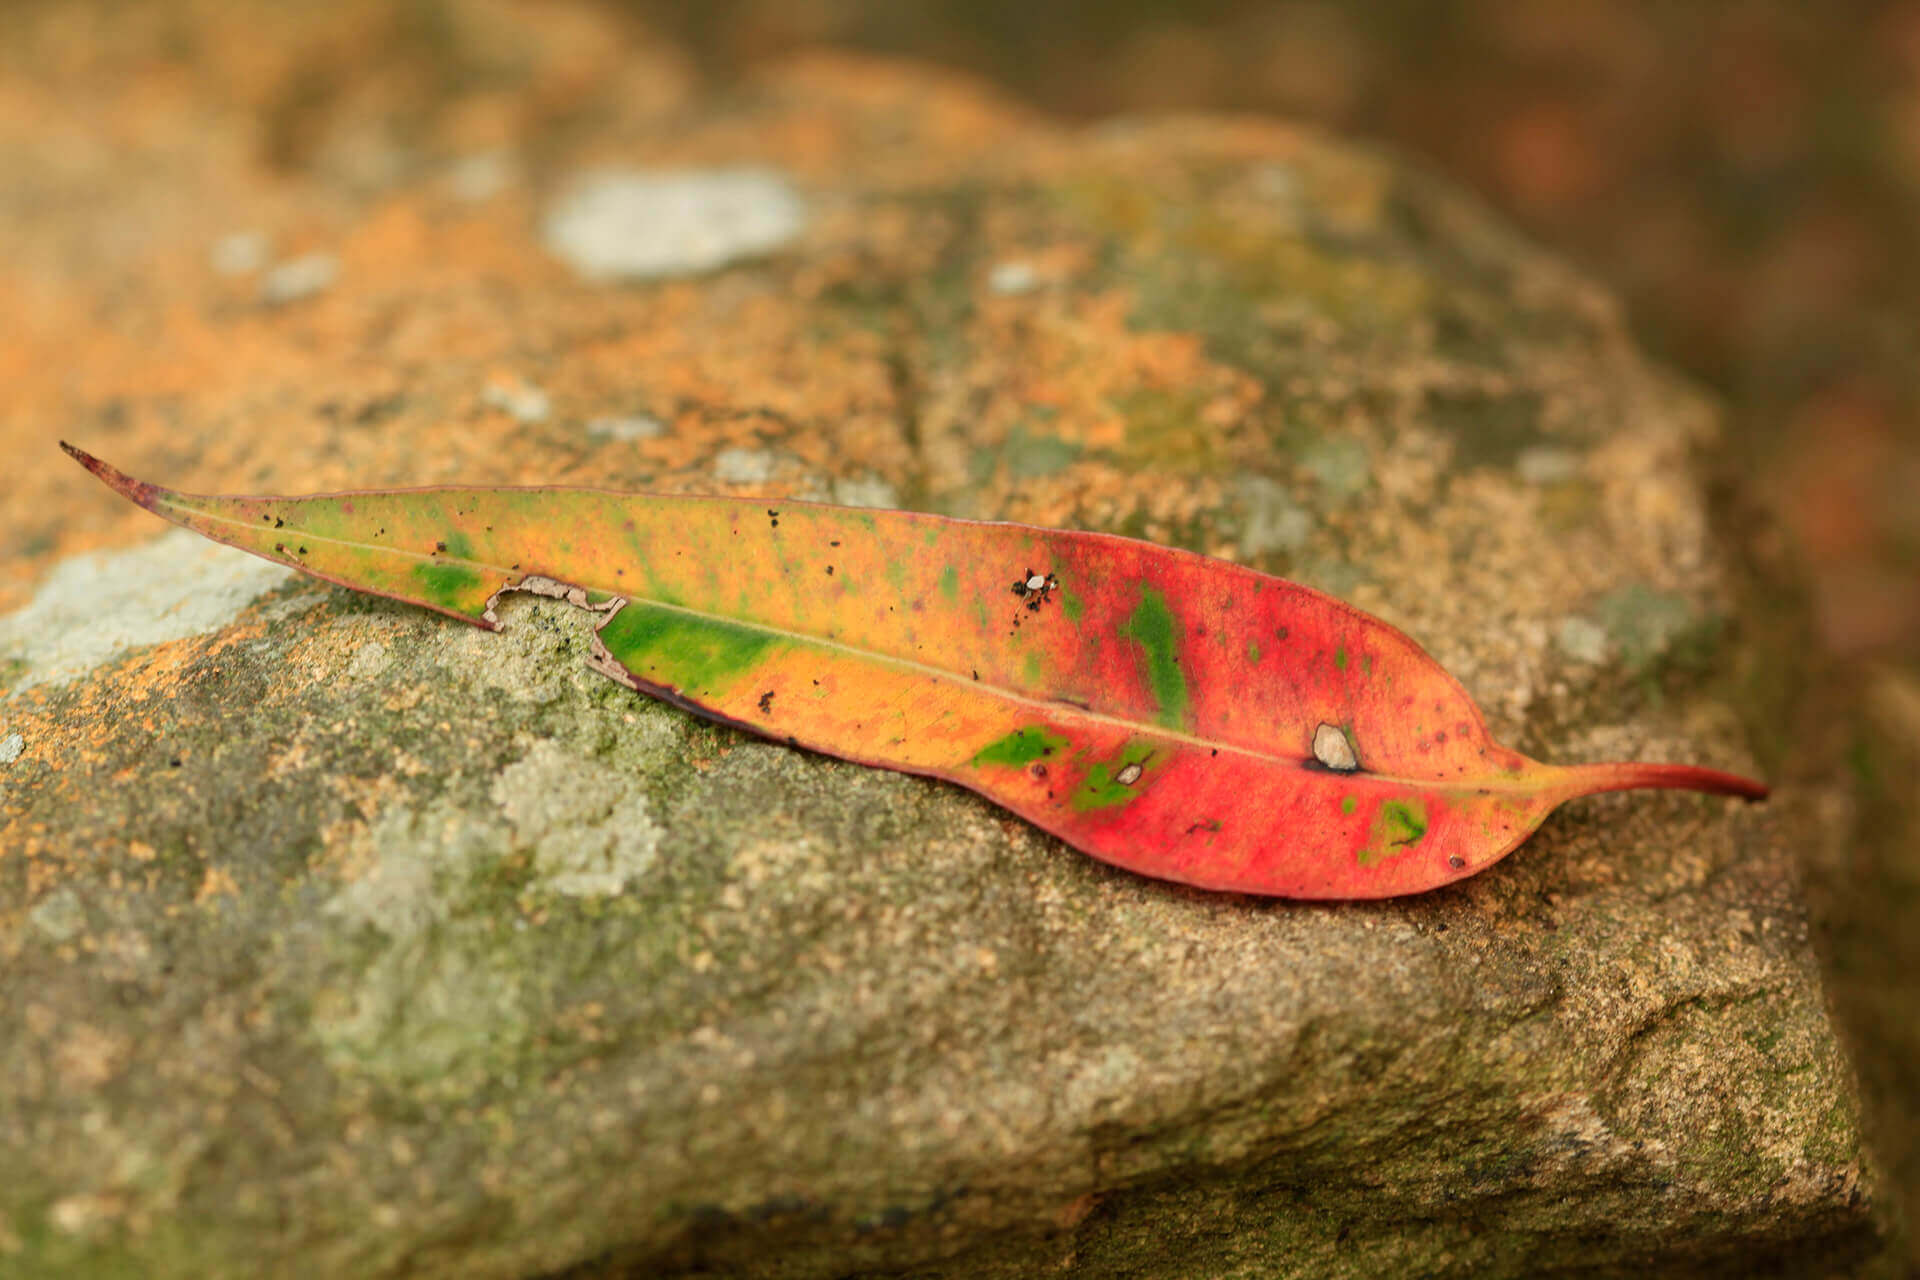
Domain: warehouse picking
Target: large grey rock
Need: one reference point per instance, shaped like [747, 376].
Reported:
[340, 939]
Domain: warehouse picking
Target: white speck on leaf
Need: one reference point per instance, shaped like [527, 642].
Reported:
[1332, 749]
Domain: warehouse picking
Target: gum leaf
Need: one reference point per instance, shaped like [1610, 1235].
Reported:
[1173, 714]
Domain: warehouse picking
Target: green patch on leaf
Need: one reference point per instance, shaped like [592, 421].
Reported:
[1401, 824]
[1349, 803]
[694, 655]
[950, 583]
[451, 586]
[1151, 627]
[1112, 782]
[1020, 748]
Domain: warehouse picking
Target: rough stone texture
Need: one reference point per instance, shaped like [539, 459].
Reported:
[340, 939]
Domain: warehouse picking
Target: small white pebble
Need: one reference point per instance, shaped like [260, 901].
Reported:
[1007, 278]
[481, 176]
[299, 278]
[638, 225]
[1545, 464]
[1036, 582]
[864, 491]
[1331, 748]
[10, 748]
[240, 254]
[1583, 640]
[518, 399]
[1128, 775]
[744, 466]
[638, 426]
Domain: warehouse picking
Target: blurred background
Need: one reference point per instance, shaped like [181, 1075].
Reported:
[1746, 174]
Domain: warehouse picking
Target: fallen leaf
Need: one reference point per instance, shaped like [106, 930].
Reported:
[1177, 715]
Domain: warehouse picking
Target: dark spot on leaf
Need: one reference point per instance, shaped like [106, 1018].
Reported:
[829, 571]
[766, 703]
[280, 548]
[174, 762]
[303, 550]
[278, 523]
[439, 547]
[1039, 770]
[1456, 862]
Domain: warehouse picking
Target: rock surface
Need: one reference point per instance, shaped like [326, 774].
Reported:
[340, 939]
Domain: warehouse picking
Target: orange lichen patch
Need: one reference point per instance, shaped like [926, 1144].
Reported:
[88, 1056]
[215, 882]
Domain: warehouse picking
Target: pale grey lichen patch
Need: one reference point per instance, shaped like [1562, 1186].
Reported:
[1340, 464]
[299, 278]
[369, 660]
[526, 659]
[638, 225]
[1012, 278]
[589, 827]
[100, 604]
[626, 428]
[865, 491]
[518, 399]
[1274, 521]
[239, 253]
[1582, 639]
[59, 916]
[11, 746]
[1547, 464]
[480, 176]
[1642, 622]
[434, 1013]
[745, 466]
[405, 851]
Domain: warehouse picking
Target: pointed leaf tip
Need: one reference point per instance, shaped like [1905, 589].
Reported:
[119, 481]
